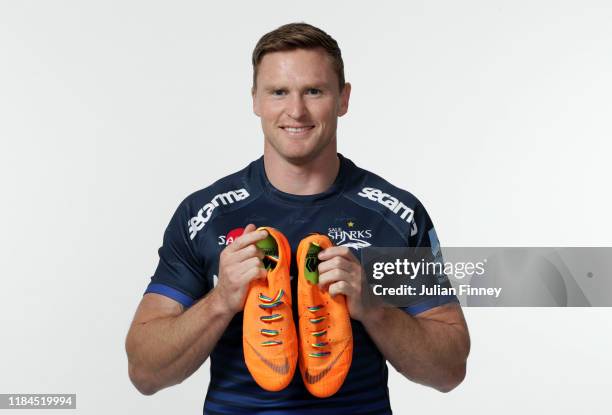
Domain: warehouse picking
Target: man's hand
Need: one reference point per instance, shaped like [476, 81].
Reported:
[342, 273]
[430, 348]
[239, 264]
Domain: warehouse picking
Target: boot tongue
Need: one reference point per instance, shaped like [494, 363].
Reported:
[269, 248]
[312, 262]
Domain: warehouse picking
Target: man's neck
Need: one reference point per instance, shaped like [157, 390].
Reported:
[312, 177]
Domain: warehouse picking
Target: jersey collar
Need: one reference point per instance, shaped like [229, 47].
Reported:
[333, 192]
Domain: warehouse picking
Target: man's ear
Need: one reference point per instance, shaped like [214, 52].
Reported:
[255, 104]
[345, 95]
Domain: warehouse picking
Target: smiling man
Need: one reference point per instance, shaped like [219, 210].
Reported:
[192, 307]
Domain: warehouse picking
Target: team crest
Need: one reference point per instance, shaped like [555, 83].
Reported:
[350, 235]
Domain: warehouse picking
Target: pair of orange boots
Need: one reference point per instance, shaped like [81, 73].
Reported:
[270, 341]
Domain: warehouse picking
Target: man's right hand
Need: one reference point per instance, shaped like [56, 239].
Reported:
[165, 344]
[240, 263]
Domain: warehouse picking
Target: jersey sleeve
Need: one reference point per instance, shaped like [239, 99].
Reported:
[179, 274]
[423, 237]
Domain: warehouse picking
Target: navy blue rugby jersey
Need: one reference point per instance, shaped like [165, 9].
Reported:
[360, 209]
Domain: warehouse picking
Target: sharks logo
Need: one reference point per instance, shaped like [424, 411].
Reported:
[350, 236]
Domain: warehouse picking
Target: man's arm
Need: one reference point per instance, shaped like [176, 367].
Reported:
[430, 348]
[166, 344]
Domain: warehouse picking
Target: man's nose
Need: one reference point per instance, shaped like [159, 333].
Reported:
[296, 107]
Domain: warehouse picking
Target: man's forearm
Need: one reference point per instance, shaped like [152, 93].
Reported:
[165, 351]
[426, 351]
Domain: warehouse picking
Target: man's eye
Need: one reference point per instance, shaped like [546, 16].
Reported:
[279, 92]
[313, 91]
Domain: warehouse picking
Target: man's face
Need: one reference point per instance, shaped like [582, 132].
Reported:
[299, 101]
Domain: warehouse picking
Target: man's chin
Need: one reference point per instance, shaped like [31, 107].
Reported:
[299, 153]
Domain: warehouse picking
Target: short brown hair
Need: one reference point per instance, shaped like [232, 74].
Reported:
[298, 36]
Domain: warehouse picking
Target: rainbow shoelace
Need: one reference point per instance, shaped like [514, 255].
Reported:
[268, 303]
[318, 333]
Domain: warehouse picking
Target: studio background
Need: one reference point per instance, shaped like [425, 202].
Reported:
[495, 114]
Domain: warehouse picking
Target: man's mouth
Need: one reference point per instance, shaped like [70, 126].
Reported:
[297, 130]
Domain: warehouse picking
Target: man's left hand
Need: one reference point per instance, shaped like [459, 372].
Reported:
[341, 273]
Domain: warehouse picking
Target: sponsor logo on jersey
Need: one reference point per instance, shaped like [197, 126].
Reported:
[198, 222]
[230, 237]
[351, 237]
[391, 203]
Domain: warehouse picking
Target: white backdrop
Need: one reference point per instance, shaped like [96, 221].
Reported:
[496, 114]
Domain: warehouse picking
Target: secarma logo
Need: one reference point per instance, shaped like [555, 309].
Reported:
[196, 223]
[392, 204]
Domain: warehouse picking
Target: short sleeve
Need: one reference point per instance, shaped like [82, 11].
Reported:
[425, 239]
[179, 274]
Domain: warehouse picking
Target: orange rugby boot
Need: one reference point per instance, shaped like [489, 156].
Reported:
[326, 337]
[269, 340]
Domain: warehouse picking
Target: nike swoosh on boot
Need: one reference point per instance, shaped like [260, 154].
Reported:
[310, 378]
[280, 369]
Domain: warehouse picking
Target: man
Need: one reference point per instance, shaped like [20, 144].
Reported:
[300, 185]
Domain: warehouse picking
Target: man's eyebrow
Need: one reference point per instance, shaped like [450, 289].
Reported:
[270, 88]
[316, 85]
[320, 85]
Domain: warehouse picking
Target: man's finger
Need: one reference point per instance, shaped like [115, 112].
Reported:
[333, 251]
[335, 262]
[254, 274]
[249, 251]
[340, 287]
[251, 263]
[246, 230]
[331, 276]
[249, 228]
[247, 239]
